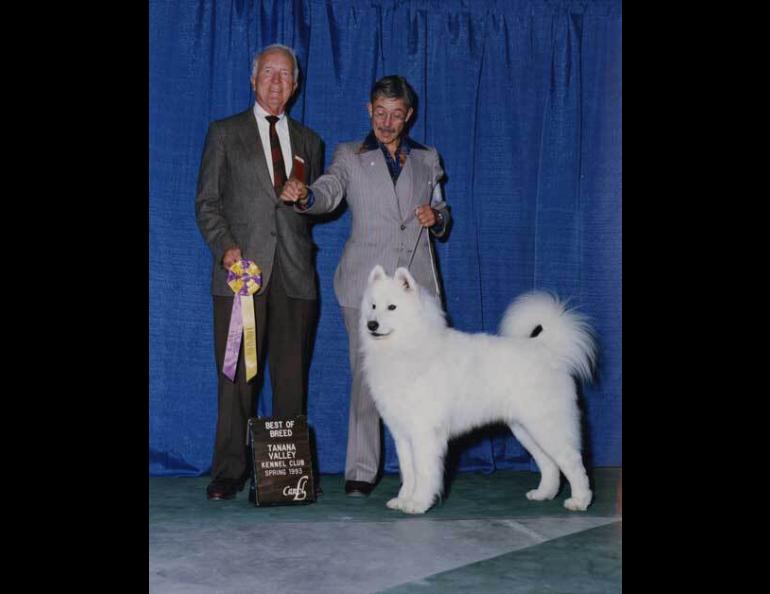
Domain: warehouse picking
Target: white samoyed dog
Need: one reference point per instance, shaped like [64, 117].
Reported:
[431, 383]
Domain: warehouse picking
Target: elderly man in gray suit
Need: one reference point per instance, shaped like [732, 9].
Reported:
[391, 184]
[246, 161]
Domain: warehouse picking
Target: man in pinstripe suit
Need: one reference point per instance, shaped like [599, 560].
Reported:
[391, 184]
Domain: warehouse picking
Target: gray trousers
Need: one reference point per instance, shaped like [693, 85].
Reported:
[362, 460]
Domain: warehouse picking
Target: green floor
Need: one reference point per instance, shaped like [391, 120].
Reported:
[484, 537]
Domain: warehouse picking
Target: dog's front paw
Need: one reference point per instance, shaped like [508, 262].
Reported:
[538, 495]
[396, 503]
[579, 503]
[412, 506]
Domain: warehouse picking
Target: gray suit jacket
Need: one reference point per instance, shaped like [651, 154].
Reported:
[237, 206]
[384, 228]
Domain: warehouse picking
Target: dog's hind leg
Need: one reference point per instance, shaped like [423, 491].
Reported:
[567, 456]
[573, 469]
[428, 457]
[549, 471]
[406, 465]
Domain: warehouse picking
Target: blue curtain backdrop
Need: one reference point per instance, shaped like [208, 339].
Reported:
[523, 101]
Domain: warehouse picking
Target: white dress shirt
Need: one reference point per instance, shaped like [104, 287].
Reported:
[282, 127]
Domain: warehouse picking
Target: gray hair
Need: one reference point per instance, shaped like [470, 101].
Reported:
[273, 47]
[393, 86]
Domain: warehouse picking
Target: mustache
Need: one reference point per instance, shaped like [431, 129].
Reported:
[386, 130]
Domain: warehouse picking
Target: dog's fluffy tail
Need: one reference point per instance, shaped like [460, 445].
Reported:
[543, 317]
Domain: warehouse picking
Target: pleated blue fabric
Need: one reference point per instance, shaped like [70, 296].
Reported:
[522, 99]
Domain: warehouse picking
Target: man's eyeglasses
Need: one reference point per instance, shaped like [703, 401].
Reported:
[381, 114]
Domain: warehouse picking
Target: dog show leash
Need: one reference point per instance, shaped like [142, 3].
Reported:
[432, 264]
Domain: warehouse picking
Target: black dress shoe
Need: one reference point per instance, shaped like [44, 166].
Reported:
[222, 489]
[358, 488]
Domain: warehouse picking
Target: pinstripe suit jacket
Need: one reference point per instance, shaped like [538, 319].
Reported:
[236, 204]
[384, 227]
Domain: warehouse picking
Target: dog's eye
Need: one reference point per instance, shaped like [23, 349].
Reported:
[391, 307]
[374, 306]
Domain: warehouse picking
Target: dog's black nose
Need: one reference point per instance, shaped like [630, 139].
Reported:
[372, 325]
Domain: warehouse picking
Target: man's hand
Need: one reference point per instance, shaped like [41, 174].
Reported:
[231, 256]
[293, 190]
[426, 215]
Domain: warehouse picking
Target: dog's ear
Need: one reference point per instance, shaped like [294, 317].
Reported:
[407, 281]
[377, 273]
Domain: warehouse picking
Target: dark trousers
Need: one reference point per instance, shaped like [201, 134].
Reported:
[284, 330]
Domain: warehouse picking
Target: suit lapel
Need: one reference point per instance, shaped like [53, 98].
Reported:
[374, 162]
[249, 136]
[296, 147]
[404, 187]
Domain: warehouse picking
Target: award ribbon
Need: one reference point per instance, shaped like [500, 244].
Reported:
[245, 279]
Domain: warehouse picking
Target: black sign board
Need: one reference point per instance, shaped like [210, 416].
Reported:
[283, 467]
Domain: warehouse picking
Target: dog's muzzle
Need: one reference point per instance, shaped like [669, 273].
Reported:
[372, 326]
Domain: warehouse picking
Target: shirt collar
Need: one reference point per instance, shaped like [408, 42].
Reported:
[261, 114]
[371, 143]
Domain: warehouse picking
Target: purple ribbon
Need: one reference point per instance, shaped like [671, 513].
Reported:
[238, 278]
[233, 339]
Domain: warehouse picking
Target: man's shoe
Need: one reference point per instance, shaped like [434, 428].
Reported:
[221, 489]
[358, 488]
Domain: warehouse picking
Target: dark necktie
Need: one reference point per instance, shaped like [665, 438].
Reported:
[279, 170]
